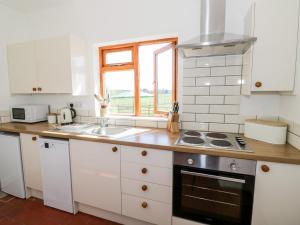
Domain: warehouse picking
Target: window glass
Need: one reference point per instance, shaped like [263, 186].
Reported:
[120, 86]
[120, 57]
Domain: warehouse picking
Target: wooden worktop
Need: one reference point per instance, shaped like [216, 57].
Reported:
[161, 139]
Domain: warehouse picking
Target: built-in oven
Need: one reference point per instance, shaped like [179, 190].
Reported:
[213, 190]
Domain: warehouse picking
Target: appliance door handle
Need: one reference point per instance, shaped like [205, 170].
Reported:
[235, 180]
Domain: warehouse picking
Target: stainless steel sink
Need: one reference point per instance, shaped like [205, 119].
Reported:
[106, 131]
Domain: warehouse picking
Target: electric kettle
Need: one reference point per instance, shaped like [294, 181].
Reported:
[67, 115]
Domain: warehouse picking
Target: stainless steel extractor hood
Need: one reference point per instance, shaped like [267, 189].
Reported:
[213, 40]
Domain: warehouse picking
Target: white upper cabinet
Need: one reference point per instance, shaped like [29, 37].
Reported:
[276, 196]
[271, 64]
[48, 66]
[22, 67]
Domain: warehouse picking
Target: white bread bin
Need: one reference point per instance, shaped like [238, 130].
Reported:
[273, 132]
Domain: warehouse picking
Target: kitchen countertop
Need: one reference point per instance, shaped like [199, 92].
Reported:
[162, 139]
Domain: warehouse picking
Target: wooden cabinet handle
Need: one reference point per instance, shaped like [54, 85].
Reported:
[144, 170]
[114, 149]
[144, 187]
[39, 89]
[34, 138]
[258, 84]
[33, 89]
[144, 205]
[265, 168]
[144, 153]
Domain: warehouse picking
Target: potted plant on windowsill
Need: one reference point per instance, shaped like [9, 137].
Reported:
[104, 104]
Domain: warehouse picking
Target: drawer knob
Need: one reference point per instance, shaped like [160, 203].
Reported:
[34, 138]
[265, 168]
[39, 89]
[144, 187]
[144, 153]
[144, 170]
[114, 149]
[144, 205]
[258, 84]
[33, 89]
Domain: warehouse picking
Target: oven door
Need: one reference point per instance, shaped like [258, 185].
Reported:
[213, 197]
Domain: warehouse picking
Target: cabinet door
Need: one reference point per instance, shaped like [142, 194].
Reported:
[53, 65]
[274, 53]
[31, 161]
[96, 174]
[276, 197]
[22, 68]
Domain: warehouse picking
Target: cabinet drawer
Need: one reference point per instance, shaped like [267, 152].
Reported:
[147, 190]
[146, 210]
[152, 157]
[147, 173]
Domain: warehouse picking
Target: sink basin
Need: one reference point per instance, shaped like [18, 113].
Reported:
[106, 131]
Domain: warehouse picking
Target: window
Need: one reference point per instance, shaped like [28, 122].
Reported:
[140, 77]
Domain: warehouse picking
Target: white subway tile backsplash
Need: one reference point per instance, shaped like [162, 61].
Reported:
[188, 117]
[146, 123]
[189, 63]
[4, 113]
[273, 118]
[225, 109]
[225, 90]
[242, 129]
[294, 140]
[234, 60]
[219, 127]
[162, 124]
[195, 90]
[196, 108]
[196, 72]
[209, 100]
[233, 70]
[211, 61]
[188, 99]
[235, 119]
[233, 80]
[125, 122]
[233, 100]
[208, 81]
[195, 126]
[212, 118]
[218, 71]
[187, 82]
[296, 128]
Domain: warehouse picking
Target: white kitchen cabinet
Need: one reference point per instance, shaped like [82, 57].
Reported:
[56, 174]
[276, 196]
[31, 161]
[96, 174]
[271, 64]
[22, 67]
[51, 66]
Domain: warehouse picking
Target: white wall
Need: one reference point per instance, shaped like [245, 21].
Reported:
[104, 21]
[290, 105]
[14, 28]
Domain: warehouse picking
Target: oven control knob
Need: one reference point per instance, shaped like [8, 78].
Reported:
[190, 161]
[233, 166]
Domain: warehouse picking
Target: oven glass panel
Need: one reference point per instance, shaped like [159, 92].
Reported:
[212, 197]
[208, 195]
[18, 113]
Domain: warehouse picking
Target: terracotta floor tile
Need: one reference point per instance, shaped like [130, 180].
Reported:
[33, 212]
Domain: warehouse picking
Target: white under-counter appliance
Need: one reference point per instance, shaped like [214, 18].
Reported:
[11, 170]
[56, 174]
[29, 113]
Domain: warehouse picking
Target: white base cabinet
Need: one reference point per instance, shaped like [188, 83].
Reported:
[276, 196]
[31, 161]
[96, 174]
[48, 66]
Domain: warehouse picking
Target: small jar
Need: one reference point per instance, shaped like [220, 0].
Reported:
[52, 118]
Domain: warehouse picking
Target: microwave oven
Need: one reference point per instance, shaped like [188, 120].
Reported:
[29, 113]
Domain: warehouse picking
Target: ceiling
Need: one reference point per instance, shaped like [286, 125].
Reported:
[27, 6]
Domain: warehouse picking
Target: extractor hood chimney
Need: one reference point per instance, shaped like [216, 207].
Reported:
[213, 41]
